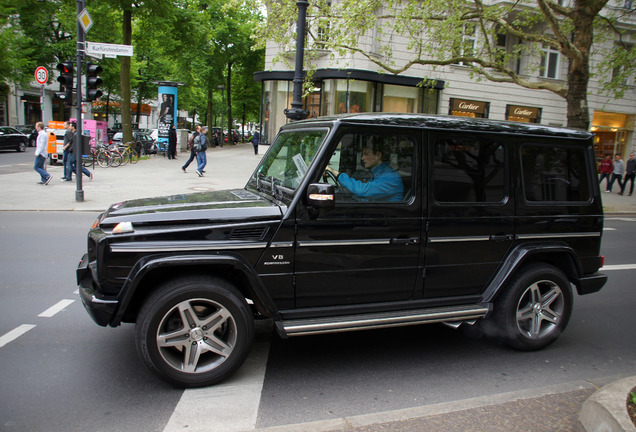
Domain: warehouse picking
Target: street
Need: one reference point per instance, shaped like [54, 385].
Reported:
[61, 372]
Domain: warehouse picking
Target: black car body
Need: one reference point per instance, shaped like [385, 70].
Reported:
[144, 144]
[30, 131]
[494, 223]
[11, 138]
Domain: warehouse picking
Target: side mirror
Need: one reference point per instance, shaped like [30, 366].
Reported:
[321, 195]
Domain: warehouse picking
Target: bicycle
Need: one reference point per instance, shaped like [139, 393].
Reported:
[129, 154]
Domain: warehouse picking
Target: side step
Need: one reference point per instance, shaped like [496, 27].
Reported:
[375, 320]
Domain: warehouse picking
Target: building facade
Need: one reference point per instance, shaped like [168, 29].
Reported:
[355, 84]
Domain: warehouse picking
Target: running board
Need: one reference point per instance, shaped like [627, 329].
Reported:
[298, 327]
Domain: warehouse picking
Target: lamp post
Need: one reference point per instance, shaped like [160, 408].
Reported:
[296, 112]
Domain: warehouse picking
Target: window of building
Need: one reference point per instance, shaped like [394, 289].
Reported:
[549, 62]
[468, 170]
[618, 71]
[400, 99]
[554, 173]
[468, 108]
[469, 40]
[374, 167]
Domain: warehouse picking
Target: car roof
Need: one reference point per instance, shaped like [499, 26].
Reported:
[433, 121]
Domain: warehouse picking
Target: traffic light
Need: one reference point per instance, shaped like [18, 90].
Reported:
[93, 81]
[66, 82]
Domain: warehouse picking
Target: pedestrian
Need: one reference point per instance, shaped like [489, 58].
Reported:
[255, 140]
[605, 169]
[40, 154]
[172, 143]
[203, 146]
[73, 155]
[630, 173]
[193, 153]
[68, 139]
[617, 173]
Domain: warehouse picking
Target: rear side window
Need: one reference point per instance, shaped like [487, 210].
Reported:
[554, 173]
[468, 170]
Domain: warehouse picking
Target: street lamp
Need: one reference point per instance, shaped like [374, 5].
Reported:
[296, 112]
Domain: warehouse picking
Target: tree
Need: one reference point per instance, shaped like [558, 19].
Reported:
[470, 32]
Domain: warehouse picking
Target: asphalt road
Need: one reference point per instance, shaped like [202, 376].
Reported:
[61, 372]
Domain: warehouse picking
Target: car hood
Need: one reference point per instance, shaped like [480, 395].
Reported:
[204, 207]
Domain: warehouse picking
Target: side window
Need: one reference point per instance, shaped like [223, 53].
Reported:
[468, 170]
[554, 173]
[374, 168]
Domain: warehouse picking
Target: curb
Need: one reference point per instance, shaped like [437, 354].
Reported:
[606, 409]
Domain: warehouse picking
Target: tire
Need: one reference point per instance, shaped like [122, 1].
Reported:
[133, 156]
[115, 159]
[103, 159]
[534, 309]
[216, 350]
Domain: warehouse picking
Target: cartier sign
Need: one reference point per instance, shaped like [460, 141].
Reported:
[469, 106]
[522, 111]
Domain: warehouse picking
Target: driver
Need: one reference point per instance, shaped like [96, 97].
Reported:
[385, 184]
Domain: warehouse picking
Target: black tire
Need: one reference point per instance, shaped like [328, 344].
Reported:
[220, 320]
[534, 309]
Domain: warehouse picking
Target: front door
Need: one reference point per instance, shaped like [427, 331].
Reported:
[366, 249]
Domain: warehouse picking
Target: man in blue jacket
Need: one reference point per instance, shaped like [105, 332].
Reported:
[384, 185]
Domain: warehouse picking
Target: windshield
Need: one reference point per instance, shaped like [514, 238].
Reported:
[288, 161]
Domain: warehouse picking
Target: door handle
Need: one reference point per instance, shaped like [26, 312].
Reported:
[501, 237]
[405, 241]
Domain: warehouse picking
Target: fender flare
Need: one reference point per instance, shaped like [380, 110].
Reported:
[519, 255]
[148, 264]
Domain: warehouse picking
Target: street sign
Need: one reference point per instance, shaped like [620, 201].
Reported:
[41, 75]
[85, 20]
[109, 49]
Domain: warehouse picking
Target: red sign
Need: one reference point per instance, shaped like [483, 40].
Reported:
[41, 75]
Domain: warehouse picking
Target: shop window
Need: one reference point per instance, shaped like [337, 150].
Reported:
[523, 114]
[554, 173]
[468, 108]
[549, 62]
[399, 99]
[467, 170]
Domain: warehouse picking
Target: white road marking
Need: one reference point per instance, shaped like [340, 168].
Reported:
[227, 407]
[55, 308]
[619, 267]
[14, 334]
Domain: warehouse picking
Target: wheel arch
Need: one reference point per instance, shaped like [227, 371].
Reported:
[559, 255]
[150, 272]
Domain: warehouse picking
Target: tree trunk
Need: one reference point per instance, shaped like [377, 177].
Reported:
[126, 118]
[209, 110]
[228, 87]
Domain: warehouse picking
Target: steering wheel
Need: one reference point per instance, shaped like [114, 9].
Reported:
[328, 175]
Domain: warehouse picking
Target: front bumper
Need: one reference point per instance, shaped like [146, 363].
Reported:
[99, 307]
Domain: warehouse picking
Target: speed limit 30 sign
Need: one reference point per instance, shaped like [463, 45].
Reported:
[41, 75]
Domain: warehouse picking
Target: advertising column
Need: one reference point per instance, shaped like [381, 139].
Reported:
[167, 114]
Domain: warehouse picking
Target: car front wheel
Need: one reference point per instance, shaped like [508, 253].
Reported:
[535, 309]
[194, 331]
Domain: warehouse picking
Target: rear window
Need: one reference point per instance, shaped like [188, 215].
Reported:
[554, 173]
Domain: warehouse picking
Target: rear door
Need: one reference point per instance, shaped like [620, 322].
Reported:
[471, 214]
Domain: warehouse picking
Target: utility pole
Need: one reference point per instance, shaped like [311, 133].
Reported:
[81, 39]
[296, 112]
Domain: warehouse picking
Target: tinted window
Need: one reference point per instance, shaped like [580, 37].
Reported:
[468, 170]
[553, 173]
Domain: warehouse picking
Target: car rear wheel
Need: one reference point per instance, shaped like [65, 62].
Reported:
[194, 331]
[535, 308]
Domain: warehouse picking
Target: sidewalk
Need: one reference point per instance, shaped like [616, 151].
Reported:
[573, 407]
[228, 167]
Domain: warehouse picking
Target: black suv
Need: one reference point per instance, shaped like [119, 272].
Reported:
[357, 222]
